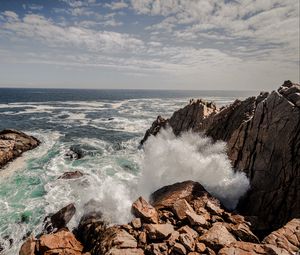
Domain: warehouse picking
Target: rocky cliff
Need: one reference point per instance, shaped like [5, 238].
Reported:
[180, 219]
[263, 139]
[13, 143]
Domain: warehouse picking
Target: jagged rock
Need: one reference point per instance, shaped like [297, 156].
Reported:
[244, 248]
[28, 247]
[196, 220]
[142, 209]
[71, 175]
[159, 231]
[115, 251]
[62, 242]
[60, 219]
[242, 232]
[174, 237]
[187, 230]
[182, 208]
[168, 195]
[287, 237]
[13, 143]
[217, 237]
[154, 129]
[157, 249]
[200, 247]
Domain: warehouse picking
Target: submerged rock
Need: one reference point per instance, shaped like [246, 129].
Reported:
[71, 175]
[13, 143]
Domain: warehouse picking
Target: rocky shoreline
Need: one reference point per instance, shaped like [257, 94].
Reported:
[263, 141]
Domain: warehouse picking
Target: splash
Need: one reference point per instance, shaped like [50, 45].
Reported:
[169, 159]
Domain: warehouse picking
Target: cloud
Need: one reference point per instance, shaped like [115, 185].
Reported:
[10, 15]
[116, 5]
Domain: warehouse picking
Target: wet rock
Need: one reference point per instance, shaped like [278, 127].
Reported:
[217, 237]
[159, 231]
[168, 195]
[60, 219]
[13, 143]
[154, 129]
[181, 208]
[71, 175]
[142, 209]
[75, 152]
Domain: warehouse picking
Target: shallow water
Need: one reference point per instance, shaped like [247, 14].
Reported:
[106, 125]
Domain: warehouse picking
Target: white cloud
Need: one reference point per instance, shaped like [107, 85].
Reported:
[10, 15]
[116, 5]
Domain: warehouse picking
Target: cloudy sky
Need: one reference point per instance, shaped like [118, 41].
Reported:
[159, 44]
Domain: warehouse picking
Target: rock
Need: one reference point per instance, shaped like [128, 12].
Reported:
[136, 223]
[71, 175]
[174, 237]
[181, 208]
[217, 237]
[75, 152]
[287, 237]
[142, 239]
[244, 248]
[200, 247]
[28, 247]
[154, 129]
[179, 249]
[187, 230]
[157, 249]
[60, 219]
[242, 232]
[168, 195]
[13, 143]
[187, 241]
[213, 208]
[62, 242]
[115, 251]
[196, 220]
[159, 231]
[142, 209]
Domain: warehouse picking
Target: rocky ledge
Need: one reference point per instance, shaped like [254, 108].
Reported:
[180, 219]
[13, 143]
[263, 140]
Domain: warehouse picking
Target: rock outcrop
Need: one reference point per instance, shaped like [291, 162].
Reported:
[13, 143]
[263, 140]
[187, 221]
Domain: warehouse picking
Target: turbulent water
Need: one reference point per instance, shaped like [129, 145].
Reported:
[106, 125]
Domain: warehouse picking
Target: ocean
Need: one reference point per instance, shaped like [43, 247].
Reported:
[106, 126]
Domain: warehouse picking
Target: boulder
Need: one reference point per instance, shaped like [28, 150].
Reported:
[62, 242]
[13, 143]
[181, 208]
[217, 237]
[168, 195]
[60, 219]
[28, 247]
[178, 248]
[159, 231]
[142, 209]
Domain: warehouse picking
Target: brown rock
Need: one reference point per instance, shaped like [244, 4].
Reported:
[142, 209]
[159, 231]
[287, 237]
[217, 237]
[142, 239]
[187, 230]
[181, 208]
[187, 241]
[28, 247]
[136, 223]
[174, 237]
[157, 249]
[196, 220]
[242, 232]
[13, 143]
[179, 249]
[200, 247]
[116, 251]
[168, 195]
[64, 241]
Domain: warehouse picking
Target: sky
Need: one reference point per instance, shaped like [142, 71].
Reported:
[149, 44]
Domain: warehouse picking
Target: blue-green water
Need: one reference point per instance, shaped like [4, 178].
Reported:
[106, 125]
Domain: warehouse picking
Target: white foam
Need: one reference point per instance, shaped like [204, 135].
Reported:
[169, 159]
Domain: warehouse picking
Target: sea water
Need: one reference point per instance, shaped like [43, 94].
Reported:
[107, 126]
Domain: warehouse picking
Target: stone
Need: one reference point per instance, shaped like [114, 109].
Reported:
[60, 219]
[13, 143]
[242, 232]
[200, 247]
[166, 196]
[71, 175]
[142, 209]
[136, 223]
[287, 237]
[159, 231]
[181, 208]
[196, 220]
[157, 249]
[214, 208]
[115, 251]
[217, 237]
[179, 249]
[64, 241]
[187, 241]
[187, 230]
[28, 247]
[142, 239]
[174, 237]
